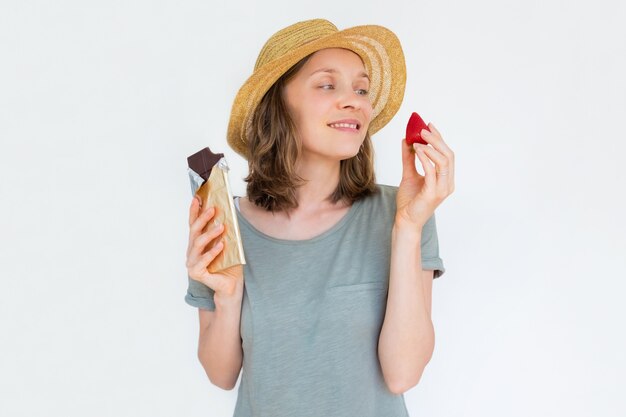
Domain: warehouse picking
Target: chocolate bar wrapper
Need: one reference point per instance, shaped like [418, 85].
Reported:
[216, 192]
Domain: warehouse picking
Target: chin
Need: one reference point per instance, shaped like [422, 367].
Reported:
[349, 155]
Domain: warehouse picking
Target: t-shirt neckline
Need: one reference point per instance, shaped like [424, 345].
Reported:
[339, 225]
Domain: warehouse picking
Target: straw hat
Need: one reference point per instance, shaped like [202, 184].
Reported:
[378, 47]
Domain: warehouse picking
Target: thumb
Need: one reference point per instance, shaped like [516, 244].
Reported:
[408, 160]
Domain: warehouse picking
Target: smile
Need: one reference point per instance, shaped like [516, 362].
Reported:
[347, 127]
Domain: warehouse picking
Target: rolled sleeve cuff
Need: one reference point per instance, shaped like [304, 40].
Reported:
[203, 303]
[435, 265]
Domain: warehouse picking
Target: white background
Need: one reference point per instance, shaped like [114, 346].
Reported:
[101, 103]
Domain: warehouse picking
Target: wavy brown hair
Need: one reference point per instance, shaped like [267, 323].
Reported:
[274, 148]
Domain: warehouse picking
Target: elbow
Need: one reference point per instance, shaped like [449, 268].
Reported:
[224, 382]
[400, 386]
[404, 379]
[221, 381]
[225, 385]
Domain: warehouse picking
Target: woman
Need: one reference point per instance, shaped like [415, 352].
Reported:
[334, 318]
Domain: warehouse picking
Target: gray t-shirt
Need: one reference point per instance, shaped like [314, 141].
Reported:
[311, 315]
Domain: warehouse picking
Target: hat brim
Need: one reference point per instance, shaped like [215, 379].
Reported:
[378, 47]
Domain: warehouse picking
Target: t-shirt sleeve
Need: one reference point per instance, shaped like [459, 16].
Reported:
[199, 295]
[430, 248]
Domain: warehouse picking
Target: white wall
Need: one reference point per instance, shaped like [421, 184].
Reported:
[101, 103]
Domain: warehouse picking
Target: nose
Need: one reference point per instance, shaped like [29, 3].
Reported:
[350, 99]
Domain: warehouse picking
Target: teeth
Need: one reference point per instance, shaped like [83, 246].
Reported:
[350, 125]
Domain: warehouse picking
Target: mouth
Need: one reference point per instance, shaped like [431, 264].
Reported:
[348, 126]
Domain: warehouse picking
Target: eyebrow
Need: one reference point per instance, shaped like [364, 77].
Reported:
[334, 71]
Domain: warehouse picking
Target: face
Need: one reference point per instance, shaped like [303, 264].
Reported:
[329, 103]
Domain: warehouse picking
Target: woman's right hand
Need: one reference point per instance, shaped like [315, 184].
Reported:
[228, 284]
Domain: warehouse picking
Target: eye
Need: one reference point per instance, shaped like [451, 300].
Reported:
[327, 85]
[362, 92]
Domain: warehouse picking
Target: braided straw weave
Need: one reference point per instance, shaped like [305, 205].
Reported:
[378, 47]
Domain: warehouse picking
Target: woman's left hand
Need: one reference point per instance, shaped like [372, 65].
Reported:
[419, 195]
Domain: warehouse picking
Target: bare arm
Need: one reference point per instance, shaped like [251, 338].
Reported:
[219, 345]
[407, 337]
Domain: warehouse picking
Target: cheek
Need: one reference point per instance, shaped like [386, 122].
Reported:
[368, 111]
[366, 105]
[316, 105]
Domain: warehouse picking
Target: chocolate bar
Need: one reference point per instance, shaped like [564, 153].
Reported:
[208, 173]
[202, 162]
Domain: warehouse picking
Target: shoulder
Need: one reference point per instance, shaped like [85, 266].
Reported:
[384, 194]
[381, 204]
[387, 192]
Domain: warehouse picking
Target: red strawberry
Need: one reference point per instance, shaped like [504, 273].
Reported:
[413, 129]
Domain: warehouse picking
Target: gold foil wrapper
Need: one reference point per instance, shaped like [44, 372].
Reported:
[215, 192]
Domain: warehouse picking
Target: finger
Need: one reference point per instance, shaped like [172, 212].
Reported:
[449, 154]
[201, 221]
[208, 257]
[198, 245]
[430, 176]
[199, 226]
[408, 161]
[441, 148]
[201, 268]
[435, 139]
[194, 209]
[444, 171]
[434, 129]
[444, 174]
[441, 161]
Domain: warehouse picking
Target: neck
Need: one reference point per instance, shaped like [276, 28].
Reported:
[321, 179]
